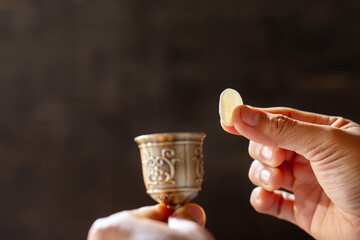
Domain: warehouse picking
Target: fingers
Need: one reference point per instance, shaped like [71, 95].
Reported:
[303, 116]
[295, 114]
[281, 131]
[229, 129]
[309, 117]
[267, 177]
[126, 224]
[187, 230]
[158, 212]
[271, 178]
[150, 223]
[189, 222]
[191, 212]
[271, 156]
[279, 204]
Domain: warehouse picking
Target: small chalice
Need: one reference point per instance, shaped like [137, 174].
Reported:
[172, 166]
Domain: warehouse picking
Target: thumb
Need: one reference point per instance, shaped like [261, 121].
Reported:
[281, 131]
[189, 222]
[191, 211]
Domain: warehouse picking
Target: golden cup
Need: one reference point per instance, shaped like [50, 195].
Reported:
[172, 166]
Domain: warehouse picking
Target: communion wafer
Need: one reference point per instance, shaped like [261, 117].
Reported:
[229, 100]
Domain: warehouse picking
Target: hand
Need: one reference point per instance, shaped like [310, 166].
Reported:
[315, 157]
[155, 222]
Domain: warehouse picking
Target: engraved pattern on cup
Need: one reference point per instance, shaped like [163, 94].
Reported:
[172, 165]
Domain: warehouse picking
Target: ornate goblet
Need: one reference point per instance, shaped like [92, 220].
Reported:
[172, 166]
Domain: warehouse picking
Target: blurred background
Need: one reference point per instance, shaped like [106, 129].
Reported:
[80, 79]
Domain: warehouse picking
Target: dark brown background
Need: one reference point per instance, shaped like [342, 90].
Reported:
[80, 79]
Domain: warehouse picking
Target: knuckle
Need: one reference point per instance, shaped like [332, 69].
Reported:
[99, 230]
[102, 229]
[196, 232]
[279, 124]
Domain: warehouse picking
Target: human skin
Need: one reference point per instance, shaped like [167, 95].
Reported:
[153, 223]
[316, 158]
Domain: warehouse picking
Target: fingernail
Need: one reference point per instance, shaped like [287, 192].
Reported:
[249, 116]
[267, 153]
[265, 176]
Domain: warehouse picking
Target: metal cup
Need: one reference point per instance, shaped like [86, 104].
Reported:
[172, 166]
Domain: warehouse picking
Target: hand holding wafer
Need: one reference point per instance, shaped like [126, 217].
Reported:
[315, 158]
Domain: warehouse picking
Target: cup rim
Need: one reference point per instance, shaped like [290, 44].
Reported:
[170, 136]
